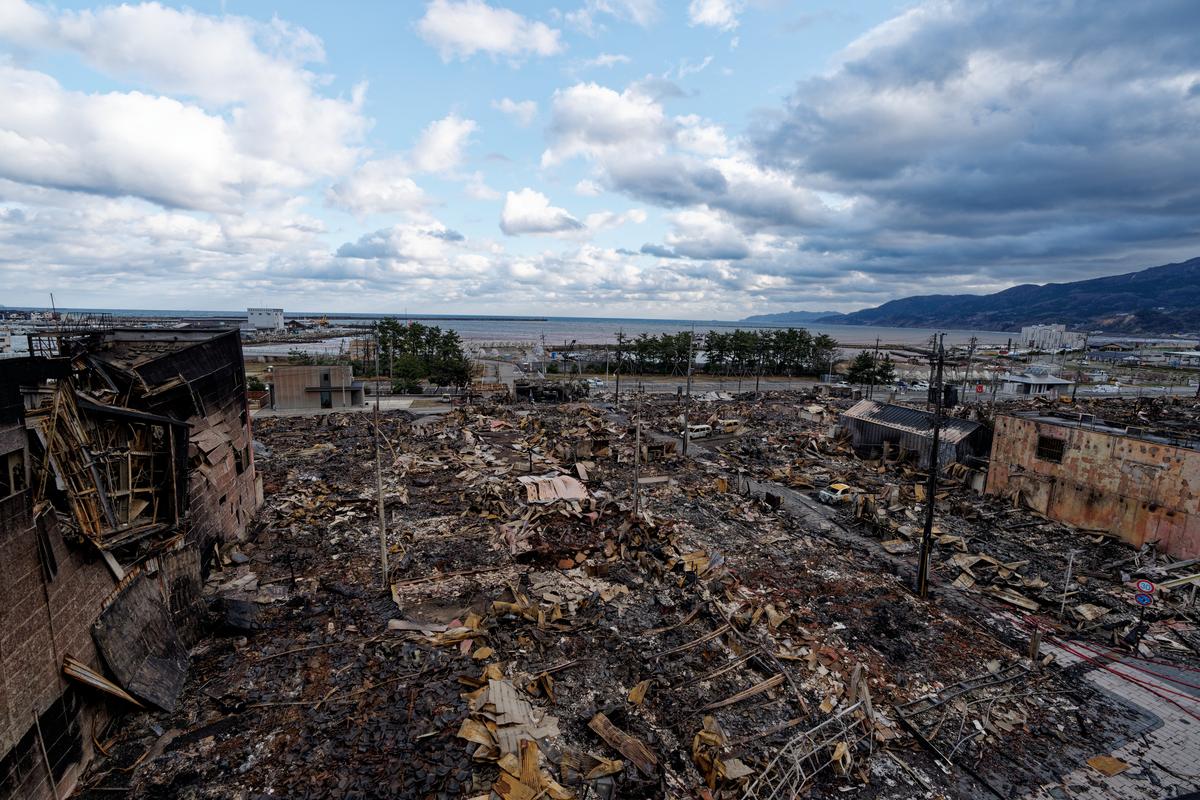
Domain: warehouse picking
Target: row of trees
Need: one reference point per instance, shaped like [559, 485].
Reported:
[410, 352]
[789, 351]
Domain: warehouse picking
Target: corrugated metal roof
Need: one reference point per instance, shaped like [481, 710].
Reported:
[912, 420]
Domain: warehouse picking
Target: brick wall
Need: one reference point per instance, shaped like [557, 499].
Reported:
[40, 622]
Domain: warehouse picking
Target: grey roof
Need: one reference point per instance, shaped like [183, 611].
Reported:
[1038, 380]
[912, 420]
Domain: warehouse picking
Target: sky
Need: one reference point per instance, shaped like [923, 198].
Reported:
[708, 159]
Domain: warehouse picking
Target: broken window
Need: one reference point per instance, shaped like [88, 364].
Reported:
[1050, 449]
[12, 473]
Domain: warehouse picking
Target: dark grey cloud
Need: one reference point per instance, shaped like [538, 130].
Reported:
[658, 251]
[1001, 141]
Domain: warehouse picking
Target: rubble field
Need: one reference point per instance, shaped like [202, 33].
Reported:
[577, 610]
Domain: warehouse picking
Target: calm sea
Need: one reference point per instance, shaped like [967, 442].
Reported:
[590, 330]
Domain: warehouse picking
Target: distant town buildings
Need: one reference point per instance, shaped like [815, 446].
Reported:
[295, 387]
[265, 319]
[6, 342]
[1050, 338]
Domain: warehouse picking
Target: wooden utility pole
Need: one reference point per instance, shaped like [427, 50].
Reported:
[687, 407]
[1079, 367]
[874, 369]
[383, 546]
[637, 457]
[922, 585]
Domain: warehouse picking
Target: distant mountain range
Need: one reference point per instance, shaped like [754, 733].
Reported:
[790, 317]
[1157, 300]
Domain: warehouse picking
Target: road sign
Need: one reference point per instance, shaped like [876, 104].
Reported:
[1143, 599]
[1145, 587]
[979, 388]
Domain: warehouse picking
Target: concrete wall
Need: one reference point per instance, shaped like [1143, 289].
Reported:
[1136, 489]
[291, 384]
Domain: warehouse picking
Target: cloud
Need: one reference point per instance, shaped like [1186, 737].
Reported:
[255, 122]
[440, 146]
[987, 136]
[706, 235]
[673, 162]
[529, 211]
[407, 242]
[603, 220]
[462, 28]
[588, 188]
[639, 12]
[721, 14]
[378, 186]
[686, 67]
[478, 189]
[522, 111]
[605, 60]
[589, 119]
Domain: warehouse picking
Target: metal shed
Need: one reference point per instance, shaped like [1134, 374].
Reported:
[872, 424]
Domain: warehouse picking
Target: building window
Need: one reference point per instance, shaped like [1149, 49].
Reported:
[1050, 449]
[12, 473]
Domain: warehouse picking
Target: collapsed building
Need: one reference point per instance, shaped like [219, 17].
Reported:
[126, 455]
[891, 430]
[1140, 484]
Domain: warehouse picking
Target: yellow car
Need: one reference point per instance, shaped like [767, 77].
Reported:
[835, 493]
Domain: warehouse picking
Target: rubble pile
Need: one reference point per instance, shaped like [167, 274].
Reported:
[568, 615]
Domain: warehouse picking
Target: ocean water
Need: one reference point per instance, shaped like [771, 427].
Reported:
[585, 330]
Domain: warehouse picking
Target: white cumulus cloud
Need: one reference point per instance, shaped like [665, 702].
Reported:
[722, 14]
[440, 146]
[462, 28]
[529, 211]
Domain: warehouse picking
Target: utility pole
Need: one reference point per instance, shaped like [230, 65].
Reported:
[383, 547]
[874, 369]
[637, 457]
[687, 407]
[757, 366]
[1079, 367]
[922, 586]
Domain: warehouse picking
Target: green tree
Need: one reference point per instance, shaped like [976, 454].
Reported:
[885, 371]
[862, 369]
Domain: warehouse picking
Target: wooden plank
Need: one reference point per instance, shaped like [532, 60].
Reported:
[758, 688]
[629, 746]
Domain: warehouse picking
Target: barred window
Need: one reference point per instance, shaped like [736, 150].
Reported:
[1050, 449]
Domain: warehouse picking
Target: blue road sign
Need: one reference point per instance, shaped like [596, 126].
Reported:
[1143, 599]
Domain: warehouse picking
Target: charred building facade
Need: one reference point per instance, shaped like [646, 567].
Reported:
[1139, 484]
[124, 455]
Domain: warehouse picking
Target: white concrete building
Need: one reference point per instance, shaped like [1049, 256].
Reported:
[1035, 381]
[265, 319]
[6, 341]
[1050, 338]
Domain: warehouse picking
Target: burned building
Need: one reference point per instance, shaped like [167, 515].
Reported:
[896, 431]
[1139, 484]
[124, 455]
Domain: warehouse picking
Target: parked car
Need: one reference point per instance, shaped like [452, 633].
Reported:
[835, 493]
[698, 431]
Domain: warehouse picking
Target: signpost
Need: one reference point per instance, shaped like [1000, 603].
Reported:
[1144, 597]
